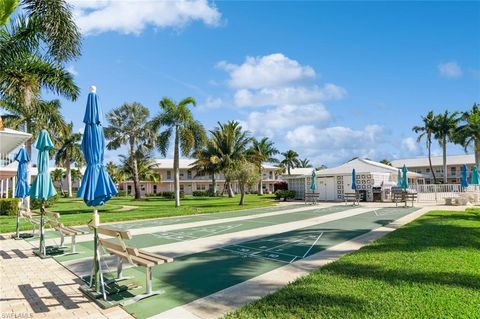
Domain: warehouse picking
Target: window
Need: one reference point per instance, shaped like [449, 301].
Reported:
[189, 174]
[182, 188]
[453, 171]
[155, 189]
[201, 187]
[169, 175]
[270, 175]
[427, 170]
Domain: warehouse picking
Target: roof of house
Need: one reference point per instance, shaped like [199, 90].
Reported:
[11, 139]
[436, 161]
[186, 163]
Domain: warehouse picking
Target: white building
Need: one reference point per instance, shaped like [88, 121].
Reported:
[189, 181]
[454, 164]
[373, 180]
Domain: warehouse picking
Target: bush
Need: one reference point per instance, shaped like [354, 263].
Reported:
[9, 206]
[280, 185]
[285, 194]
[171, 195]
[36, 204]
[200, 193]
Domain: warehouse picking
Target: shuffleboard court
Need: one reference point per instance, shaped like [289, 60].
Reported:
[167, 237]
[195, 276]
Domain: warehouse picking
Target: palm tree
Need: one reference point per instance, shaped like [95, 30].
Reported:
[76, 174]
[386, 162]
[70, 152]
[146, 166]
[444, 131]
[230, 142]
[260, 152]
[290, 160]
[427, 131]
[207, 163]
[305, 163]
[188, 133]
[129, 125]
[57, 176]
[468, 134]
[33, 119]
[6, 9]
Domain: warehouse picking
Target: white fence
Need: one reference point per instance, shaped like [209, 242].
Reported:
[438, 192]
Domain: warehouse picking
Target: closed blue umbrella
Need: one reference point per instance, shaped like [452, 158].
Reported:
[97, 186]
[475, 176]
[313, 184]
[22, 189]
[42, 187]
[404, 177]
[354, 179]
[463, 177]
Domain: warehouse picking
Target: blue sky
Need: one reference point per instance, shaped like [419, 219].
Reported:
[329, 80]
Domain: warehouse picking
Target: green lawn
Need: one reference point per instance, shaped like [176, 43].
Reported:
[74, 211]
[429, 268]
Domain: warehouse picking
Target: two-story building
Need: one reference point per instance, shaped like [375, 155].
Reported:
[190, 181]
[454, 166]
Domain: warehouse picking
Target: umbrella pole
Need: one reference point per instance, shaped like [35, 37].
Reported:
[97, 276]
[42, 250]
[17, 230]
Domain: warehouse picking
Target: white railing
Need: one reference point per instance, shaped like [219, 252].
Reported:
[6, 159]
[438, 192]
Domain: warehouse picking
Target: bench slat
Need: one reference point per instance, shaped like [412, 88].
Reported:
[165, 258]
[124, 234]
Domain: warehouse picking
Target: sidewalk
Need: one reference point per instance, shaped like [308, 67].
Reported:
[42, 288]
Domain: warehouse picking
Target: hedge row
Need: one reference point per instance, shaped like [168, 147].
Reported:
[9, 206]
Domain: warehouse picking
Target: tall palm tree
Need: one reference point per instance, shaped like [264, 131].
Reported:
[427, 130]
[6, 9]
[468, 134]
[43, 114]
[207, 163]
[129, 125]
[444, 131]
[304, 163]
[188, 133]
[260, 152]
[70, 152]
[231, 143]
[290, 160]
[57, 176]
[146, 167]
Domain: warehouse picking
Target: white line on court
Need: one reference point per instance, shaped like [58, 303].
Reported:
[313, 244]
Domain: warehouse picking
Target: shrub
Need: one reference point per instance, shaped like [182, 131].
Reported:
[9, 206]
[280, 185]
[171, 195]
[200, 193]
[285, 194]
[36, 204]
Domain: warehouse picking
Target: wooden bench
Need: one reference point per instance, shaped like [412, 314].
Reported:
[52, 220]
[132, 255]
[311, 198]
[32, 218]
[351, 197]
[404, 197]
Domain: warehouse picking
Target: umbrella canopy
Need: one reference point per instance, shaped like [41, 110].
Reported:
[399, 178]
[354, 179]
[404, 177]
[313, 184]
[22, 189]
[97, 186]
[463, 177]
[475, 176]
[42, 187]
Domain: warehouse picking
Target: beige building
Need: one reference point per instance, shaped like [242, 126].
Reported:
[189, 181]
[454, 164]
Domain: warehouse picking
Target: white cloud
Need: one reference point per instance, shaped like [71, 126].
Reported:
[269, 71]
[410, 145]
[132, 17]
[451, 70]
[211, 103]
[71, 69]
[288, 95]
[278, 119]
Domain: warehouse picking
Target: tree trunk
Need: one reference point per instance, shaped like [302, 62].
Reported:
[260, 183]
[444, 149]
[477, 154]
[430, 162]
[214, 185]
[242, 195]
[229, 189]
[69, 177]
[288, 168]
[136, 179]
[176, 170]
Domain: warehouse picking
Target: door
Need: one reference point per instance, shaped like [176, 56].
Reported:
[326, 188]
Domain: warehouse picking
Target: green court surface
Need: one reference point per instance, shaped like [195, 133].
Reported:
[198, 275]
[179, 220]
[167, 237]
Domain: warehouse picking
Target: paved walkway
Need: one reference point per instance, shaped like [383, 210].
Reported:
[42, 288]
